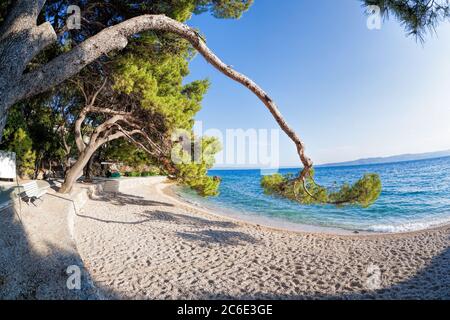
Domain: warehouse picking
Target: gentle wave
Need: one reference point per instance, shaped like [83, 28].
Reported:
[416, 196]
[408, 227]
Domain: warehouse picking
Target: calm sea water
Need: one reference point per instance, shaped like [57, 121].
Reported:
[416, 195]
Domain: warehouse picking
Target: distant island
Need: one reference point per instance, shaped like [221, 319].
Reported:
[398, 158]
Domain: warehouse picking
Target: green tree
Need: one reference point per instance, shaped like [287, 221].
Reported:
[418, 17]
[127, 153]
[22, 145]
[155, 79]
[193, 163]
[173, 105]
[362, 193]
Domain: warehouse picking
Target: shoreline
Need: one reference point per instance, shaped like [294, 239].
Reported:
[168, 190]
[140, 243]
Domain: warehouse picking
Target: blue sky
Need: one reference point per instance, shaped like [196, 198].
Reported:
[349, 92]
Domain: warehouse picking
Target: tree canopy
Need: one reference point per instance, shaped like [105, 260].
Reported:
[362, 193]
[418, 17]
[148, 72]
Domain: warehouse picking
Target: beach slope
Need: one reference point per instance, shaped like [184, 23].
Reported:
[144, 243]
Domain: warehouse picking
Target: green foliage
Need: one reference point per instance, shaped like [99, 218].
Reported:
[363, 193]
[157, 80]
[150, 70]
[135, 174]
[417, 16]
[132, 174]
[22, 145]
[194, 172]
[33, 124]
[158, 83]
[125, 152]
[151, 173]
[224, 8]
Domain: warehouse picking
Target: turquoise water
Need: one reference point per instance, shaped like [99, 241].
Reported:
[415, 196]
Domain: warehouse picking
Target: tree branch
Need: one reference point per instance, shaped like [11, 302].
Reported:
[109, 111]
[105, 126]
[23, 15]
[94, 97]
[115, 38]
[81, 146]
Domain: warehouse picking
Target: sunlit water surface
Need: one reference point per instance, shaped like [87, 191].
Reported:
[415, 196]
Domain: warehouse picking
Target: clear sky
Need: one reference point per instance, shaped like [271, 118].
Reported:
[349, 92]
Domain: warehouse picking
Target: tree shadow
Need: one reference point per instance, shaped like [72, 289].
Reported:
[164, 216]
[227, 238]
[122, 199]
[7, 194]
[31, 271]
[188, 220]
[112, 221]
[431, 283]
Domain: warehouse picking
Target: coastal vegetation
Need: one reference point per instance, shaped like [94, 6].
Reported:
[364, 192]
[74, 93]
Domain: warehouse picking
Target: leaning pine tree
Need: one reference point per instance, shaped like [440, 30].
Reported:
[22, 39]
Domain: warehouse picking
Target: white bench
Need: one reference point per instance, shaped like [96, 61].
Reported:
[32, 191]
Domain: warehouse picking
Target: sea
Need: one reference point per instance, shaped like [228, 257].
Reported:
[415, 196]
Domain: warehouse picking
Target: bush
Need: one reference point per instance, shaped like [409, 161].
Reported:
[150, 173]
[26, 157]
[132, 174]
[194, 174]
[363, 193]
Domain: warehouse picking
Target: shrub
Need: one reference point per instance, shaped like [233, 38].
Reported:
[149, 174]
[194, 174]
[132, 174]
[26, 157]
[363, 193]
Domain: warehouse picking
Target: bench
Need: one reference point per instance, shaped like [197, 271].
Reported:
[31, 191]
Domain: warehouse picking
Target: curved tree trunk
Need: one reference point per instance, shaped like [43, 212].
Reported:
[21, 39]
[88, 169]
[77, 169]
[113, 38]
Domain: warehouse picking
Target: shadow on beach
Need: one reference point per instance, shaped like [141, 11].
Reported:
[33, 262]
[205, 237]
[122, 199]
[188, 220]
[30, 271]
[431, 283]
[226, 238]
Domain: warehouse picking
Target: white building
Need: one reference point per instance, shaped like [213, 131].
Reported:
[7, 165]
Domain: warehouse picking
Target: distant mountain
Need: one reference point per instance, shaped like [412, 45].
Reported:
[399, 158]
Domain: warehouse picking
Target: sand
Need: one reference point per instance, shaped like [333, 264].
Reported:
[36, 248]
[143, 243]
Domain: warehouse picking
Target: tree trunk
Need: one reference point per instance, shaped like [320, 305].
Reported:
[23, 40]
[77, 169]
[66, 165]
[88, 169]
